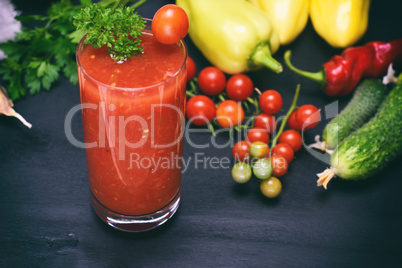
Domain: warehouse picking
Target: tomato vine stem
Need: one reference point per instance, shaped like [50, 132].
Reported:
[283, 123]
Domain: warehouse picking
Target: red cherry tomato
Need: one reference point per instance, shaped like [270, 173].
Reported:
[240, 150]
[280, 165]
[229, 113]
[271, 101]
[239, 87]
[211, 80]
[257, 134]
[170, 23]
[200, 110]
[265, 121]
[292, 122]
[284, 150]
[308, 116]
[293, 138]
[191, 68]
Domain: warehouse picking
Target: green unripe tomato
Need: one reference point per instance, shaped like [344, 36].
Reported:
[262, 168]
[259, 149]
[241, 172]
[271, 187]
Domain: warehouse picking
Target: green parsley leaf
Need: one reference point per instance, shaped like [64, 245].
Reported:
[118, 29]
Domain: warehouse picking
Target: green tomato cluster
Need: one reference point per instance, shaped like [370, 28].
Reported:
[261, 168]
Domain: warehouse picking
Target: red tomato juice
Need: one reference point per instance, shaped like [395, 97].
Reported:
[133, 116]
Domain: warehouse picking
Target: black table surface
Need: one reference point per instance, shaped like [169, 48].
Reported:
[47, 220]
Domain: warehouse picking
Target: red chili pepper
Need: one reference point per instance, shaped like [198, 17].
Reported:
[341, 74]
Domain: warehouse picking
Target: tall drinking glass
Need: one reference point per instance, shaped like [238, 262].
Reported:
[133, 118]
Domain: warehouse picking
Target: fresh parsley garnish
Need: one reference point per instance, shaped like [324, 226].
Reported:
[46, 49]
[118, 29]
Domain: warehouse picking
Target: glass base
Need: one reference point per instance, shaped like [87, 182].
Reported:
[136, 223]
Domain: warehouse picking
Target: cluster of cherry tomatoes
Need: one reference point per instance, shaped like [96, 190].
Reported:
[201, 109]
[253, 155]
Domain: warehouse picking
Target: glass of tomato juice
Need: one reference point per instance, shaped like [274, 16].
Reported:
[133, 122]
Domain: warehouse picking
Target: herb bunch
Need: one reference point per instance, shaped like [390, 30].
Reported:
[118, 29]
[42, 53]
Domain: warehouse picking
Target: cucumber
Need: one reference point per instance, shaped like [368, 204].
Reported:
[365, 101]
[369, 149]
[363, 105]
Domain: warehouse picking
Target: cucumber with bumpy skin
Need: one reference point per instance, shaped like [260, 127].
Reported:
[369, 149]
[363, 105]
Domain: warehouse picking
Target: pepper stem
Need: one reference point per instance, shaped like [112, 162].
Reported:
[261, 56]
[318, 77]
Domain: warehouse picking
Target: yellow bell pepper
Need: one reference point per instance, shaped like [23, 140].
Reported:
[340, 22]
[233, 35]
[288, 17]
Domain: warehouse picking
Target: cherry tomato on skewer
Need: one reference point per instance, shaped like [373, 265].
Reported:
[169, 24]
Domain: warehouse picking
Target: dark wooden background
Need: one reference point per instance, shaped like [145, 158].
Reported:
[47, 221]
